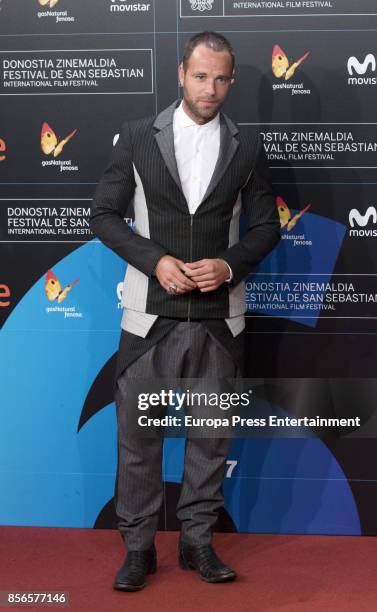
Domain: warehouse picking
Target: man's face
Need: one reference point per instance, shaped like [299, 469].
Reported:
[205, 82]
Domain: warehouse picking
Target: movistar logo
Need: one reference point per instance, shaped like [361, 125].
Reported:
[362, 220]
[354, 66]
[356, 218]
[125, 6]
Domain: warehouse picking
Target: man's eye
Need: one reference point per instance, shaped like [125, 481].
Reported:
[200, 77]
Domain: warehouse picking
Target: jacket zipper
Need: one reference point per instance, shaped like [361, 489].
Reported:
[189, 304]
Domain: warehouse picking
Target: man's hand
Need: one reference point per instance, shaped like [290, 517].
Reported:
[208, 274]
[169, 272]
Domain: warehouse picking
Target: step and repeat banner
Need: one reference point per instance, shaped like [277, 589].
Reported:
[70, 74]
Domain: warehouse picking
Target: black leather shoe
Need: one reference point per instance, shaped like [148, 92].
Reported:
[205, 561]
[138, 563]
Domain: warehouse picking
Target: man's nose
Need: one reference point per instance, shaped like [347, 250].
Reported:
[210, 89]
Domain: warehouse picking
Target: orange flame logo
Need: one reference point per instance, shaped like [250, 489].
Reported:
[50, 3]
[54, 289]
[50, 143]
[280, 63]
[286, 219]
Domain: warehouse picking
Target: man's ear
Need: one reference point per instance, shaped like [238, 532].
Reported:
[181, 74]
[232, 78]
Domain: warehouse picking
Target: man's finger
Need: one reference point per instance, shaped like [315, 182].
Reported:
[209, 281]
[205, 269]
[181, 265]
[186, 272]
[182, 287]
[181, 281]
[193, 265]
[187, 282]
[208, 276]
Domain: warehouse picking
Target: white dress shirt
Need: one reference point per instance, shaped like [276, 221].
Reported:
[196, 148]
[196, 151]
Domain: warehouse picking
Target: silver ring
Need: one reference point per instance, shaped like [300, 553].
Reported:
[172, 289]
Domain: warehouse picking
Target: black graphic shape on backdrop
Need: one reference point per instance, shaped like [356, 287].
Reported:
[101, 393]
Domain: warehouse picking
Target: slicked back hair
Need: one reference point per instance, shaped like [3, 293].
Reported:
[212, 40]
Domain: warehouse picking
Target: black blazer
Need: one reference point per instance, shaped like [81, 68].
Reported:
[143, 169]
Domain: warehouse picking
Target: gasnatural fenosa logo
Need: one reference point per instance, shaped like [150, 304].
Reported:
[284, 69]
[287, 220]
[281, 66]
[49, 3]
[50, 143]
[52, 146]
[54, 290]
[55, 293]
[60, 15]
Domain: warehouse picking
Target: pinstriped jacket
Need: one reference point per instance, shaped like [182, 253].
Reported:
[143, 169]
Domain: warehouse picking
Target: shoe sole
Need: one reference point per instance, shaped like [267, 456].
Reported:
[124, 587]
[215, 580]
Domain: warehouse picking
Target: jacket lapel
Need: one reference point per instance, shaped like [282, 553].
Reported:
[165, 140]
[228, 147]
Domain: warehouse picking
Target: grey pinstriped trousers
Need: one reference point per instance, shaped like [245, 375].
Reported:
[187, 351]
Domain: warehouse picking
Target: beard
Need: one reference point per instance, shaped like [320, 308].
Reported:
[203, 113]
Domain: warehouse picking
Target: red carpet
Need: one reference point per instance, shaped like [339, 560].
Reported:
[275, 572]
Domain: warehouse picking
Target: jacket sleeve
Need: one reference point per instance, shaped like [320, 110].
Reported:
[263, 224]
[112, 197]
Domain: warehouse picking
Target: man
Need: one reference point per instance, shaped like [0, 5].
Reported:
[189, 173]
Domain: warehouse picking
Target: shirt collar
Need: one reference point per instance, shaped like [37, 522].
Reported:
[183, 120]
